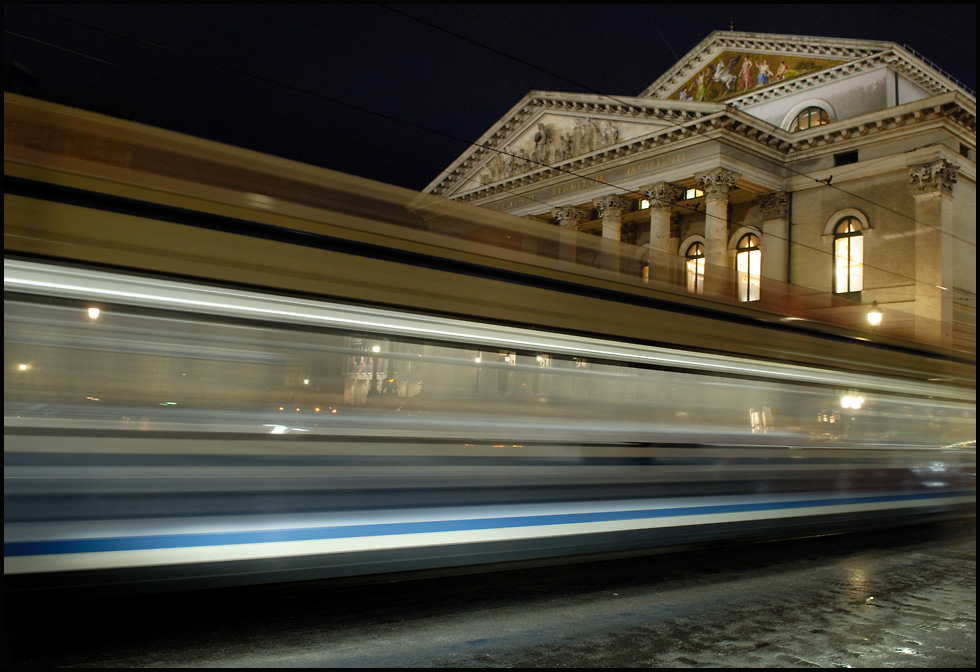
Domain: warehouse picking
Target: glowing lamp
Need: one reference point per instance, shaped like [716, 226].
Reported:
[874, 315]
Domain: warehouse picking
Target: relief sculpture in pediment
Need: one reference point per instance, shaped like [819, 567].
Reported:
[549, 145]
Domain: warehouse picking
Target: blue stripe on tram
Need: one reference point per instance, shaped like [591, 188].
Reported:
[54, 547]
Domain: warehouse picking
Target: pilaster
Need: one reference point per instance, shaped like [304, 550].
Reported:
[775, 236]
[568, 220]
[931, 185]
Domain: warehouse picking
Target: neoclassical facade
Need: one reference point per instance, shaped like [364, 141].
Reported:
[843, 167]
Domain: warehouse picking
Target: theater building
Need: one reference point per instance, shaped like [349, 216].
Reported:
[843, 168]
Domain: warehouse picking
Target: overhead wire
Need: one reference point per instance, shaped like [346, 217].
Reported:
[381, 114]
[630, 105]
[825, 182]
[386, 150]
[297, 89]
[428, 129]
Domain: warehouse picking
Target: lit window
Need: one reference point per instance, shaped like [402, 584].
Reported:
[695, 268]
[644, 204]
[692, 193]
[748, 263]
[848, 256]
[808, 118]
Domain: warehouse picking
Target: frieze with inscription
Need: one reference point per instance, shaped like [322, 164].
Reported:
[613, 176]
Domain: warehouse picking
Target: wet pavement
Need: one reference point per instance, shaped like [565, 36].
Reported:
[895, 598]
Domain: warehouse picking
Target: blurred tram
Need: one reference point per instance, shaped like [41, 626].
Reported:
[224, 368]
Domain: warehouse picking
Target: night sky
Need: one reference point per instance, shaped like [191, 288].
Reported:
[397, 92]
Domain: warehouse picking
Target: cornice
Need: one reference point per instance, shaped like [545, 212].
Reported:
[951, 107]
[582, 164]
[727, 122]
[897, 59]
[537, 103]
[884, 165]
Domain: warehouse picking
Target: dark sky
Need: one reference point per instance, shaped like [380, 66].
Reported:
[397, 92]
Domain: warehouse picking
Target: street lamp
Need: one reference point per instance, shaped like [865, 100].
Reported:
[874, 314]
[373, 390]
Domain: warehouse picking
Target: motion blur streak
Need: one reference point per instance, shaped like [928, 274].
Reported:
[34, 278]
[223, 368]
[179, 438]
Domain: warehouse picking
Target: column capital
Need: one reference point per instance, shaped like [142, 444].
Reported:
[568, 218]
[935, 178]
[775, 205]
[718, 182]
[611, 205]
[661, 194]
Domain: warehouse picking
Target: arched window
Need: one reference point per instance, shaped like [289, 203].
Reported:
[695, 268]
[808, 118]
[748, 263]
[848, 256]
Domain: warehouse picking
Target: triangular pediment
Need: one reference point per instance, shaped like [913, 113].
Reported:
[727, 64]
[740, 68]
[740, 78]
[547, 131]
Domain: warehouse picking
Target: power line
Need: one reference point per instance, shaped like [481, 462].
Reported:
[362, 109]
[666, 119]
[940, 31]
[276, 117]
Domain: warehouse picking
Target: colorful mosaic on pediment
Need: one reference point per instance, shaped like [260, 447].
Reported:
[733, 73]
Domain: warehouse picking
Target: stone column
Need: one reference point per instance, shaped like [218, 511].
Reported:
[678, 267]
[662, 196]
[568, 220]
[932, 189]
[716, 185]
[775, 236]
[674, 242]
[611, 209]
